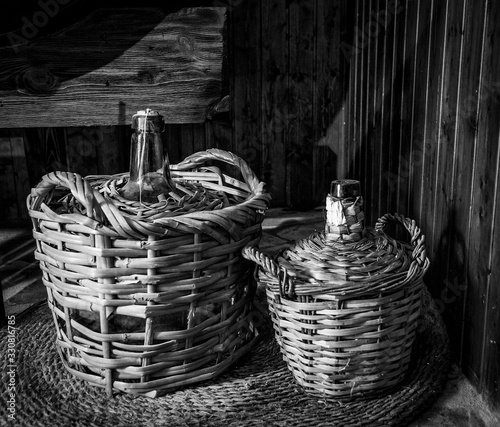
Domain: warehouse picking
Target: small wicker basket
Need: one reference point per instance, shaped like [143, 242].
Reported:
[345, 305]
[147, 298]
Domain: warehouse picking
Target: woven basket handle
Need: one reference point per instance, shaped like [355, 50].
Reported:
[201, 157]
[285, 281]
[417, 238]
[79, 187]
[261, 259]
[101, 211]
[97, 208]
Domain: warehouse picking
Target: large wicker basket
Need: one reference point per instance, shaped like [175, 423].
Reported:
[147, 298]
[345, 314]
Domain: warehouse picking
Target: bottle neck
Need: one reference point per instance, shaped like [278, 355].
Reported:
[344, 213]
[146, 155]
[149, 178]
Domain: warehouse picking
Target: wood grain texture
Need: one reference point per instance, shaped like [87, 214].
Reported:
[218, 134]
[458, 283]
[386, 96]
[20, 172]
[115, 62]
[443, 159]
[275, 97]
[481, 221]
[369, 136]
[443, 227]
[363, 40]
[300, 104]
[8, 202]
[422, 64]
[45, 152]
[352, 48]
[395, 86]
[346, 28]
[353, 43]
[81, 150]
[432, 142]
[490, 374]
[329, 150]
[112, 147]
[247, 82]
[173, 142]
[400, 180]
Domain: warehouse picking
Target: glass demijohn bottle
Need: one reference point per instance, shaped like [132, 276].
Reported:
[149, 179]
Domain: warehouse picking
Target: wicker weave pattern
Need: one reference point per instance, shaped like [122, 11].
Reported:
[148, 298]
[345, 314]
[347, 218]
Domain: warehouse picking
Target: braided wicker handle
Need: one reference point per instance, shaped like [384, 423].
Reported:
[270, 267]
[286, 282]
[417, 238]
[198, 159]
[79, 187]
[261, 259]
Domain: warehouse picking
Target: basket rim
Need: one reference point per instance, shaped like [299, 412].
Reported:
[403, 266]
[101, 210]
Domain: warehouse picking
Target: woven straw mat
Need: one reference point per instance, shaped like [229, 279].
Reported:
[258, 391]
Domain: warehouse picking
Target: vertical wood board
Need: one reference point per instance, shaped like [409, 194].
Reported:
[300, 148]
[483, 200]
[275, 98]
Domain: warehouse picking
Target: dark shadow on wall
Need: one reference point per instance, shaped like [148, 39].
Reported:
[447, 281]
[30, 38]
[381, 146]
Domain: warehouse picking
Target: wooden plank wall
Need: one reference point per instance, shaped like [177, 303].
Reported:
[286, 82]
[423, 138]
[14, 180]
[288, 87]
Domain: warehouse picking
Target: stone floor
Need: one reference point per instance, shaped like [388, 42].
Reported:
[458, 406]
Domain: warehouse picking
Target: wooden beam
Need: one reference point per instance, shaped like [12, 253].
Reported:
[113, 63]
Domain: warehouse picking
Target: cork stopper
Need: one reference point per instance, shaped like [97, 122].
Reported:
[344, 211]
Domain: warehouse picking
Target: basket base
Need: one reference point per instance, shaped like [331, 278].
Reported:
[164, 385]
